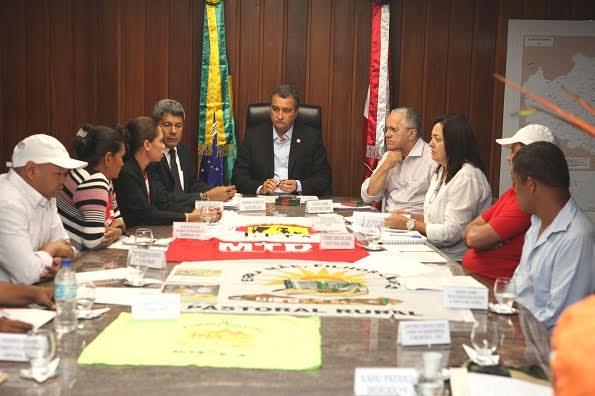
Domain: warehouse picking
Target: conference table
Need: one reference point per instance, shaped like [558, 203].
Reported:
[347, 343]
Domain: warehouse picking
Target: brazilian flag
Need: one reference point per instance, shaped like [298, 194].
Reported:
[216, 125]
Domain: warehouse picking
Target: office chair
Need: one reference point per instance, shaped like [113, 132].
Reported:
[310, 115]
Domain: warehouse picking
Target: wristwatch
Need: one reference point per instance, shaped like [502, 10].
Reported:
[410, 224]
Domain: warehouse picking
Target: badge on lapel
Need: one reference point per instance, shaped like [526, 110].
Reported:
[298, 140]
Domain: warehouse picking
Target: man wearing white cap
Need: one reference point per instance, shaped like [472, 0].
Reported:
[32, 237]
[495, 238]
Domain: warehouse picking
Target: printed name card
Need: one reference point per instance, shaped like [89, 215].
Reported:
[208, 204]
[337, 240]
[384, 381]
[13, 346]
[191, 230]
[252, 205]
[465, 297]
[320, 206]
[156, 306]
[147, 258]
[329, 223]
[423, 332]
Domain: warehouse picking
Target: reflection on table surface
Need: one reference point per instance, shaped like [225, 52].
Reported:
[347, 343]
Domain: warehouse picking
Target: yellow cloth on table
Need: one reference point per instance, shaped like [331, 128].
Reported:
[242, 341]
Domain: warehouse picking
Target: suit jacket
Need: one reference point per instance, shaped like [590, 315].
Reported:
[191, 183]
[307, 160]
[163, 208]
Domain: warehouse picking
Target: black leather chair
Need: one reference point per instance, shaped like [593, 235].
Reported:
[310, 115]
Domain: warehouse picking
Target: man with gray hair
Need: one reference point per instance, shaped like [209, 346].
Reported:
[33, 240]
[176, 170]
[403, 174]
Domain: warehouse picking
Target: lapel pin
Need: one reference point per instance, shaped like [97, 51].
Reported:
[298, 140]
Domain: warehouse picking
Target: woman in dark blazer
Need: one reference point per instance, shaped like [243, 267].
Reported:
[141, 196]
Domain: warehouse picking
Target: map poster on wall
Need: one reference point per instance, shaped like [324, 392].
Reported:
[303, 288]
[545, 57]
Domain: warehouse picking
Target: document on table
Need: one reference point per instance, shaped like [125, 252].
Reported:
[94, 276]
[126, 243]
[120, 295]
[37, 317]
[398, 264]
[438, 283]
[473, 384]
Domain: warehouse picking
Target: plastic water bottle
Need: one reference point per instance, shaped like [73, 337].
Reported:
[65, 296]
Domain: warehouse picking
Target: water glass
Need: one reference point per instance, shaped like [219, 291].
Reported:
[85, 297]
[485, 340]
[135, 273]
[372, 233]
[505, 294]
[40, 348]
[208, 214]
[143, 238]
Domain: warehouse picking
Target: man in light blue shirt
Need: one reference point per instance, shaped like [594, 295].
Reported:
[557, 264]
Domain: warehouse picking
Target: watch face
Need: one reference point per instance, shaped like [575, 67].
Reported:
[410, 224]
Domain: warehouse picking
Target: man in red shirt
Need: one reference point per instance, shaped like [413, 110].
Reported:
[495, 238]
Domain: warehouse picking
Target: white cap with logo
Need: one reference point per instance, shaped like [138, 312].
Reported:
[42, 149]
[529, 134]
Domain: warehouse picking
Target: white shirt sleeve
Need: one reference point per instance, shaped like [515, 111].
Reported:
[370, 199]
[20, 263]
[464, 195]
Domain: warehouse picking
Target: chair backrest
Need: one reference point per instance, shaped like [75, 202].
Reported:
[310, 115]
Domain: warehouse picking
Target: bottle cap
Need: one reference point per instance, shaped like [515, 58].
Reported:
[66, 262]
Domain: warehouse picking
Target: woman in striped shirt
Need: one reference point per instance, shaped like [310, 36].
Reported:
[87, 202]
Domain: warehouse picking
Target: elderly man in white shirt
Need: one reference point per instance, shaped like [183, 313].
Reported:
[403, 174]
[32, 237]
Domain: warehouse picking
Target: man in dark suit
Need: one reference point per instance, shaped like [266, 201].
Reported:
[283, 156]
[176, 170]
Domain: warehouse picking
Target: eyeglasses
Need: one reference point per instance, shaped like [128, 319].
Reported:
[394, 130]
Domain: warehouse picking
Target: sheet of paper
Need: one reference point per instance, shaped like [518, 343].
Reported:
[408, 248]
[93, 276]
[37, 317]
[439, 282]
[126, 243]
[494, 385]
[339, 205]
[120, 295]
[392, 263]
[306, 198]
[462, 281]
[213, 340]
[425, 257]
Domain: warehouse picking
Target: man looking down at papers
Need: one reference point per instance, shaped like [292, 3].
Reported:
[22, 295]
[282, 155]
[557, 263]
[404, 173]
[32, 237]
[495, 238]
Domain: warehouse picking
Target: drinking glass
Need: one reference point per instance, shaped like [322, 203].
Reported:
[485, 340]
[85, 297]
[40, 348]
[505, 294]
[143, 238]
[208, 214]
[372, 233]
[135, 272]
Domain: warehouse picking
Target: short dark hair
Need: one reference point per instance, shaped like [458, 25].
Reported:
[136, 132]
[167, 106]
[459, 143]
[544, 162]
[285, 91]
[91, 143]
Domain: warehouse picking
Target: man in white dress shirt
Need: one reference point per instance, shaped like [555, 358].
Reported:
[32, 237]
[403, 174]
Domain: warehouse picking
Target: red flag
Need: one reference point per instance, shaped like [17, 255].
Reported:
[378, 100]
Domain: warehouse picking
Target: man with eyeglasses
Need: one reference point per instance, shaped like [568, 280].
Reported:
[404, 172]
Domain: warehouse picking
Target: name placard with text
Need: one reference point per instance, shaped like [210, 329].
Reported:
[146, 257]
[337, 240]
[320, 206]
[191, 230]
[252, 205]
[423, 332]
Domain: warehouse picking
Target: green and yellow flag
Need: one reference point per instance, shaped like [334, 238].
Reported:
[216, 127]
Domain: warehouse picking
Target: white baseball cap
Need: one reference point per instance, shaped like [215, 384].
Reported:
[529, 134]
[42, 149]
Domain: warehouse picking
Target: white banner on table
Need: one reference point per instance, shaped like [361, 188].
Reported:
[294, 287]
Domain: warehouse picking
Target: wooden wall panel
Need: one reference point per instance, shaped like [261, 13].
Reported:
[65, 62]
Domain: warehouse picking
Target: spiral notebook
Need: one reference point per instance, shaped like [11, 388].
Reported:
[402, 238]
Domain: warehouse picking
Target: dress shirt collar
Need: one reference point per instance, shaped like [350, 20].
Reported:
[418, 148]
[35, 198]
[168, 149]
[287, 135]
[560, 223]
